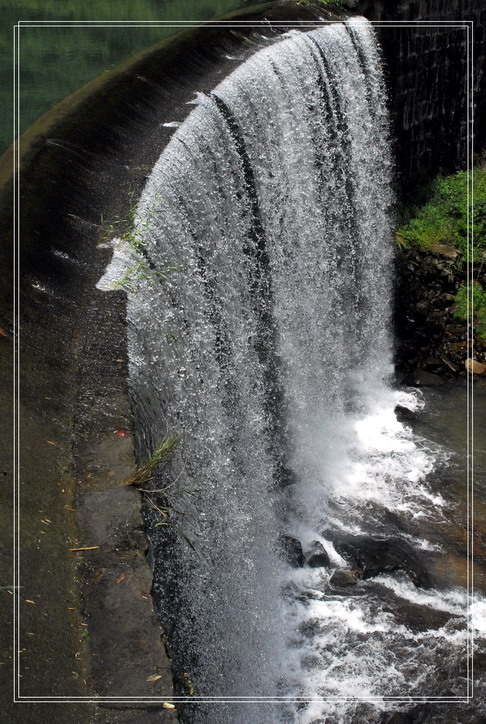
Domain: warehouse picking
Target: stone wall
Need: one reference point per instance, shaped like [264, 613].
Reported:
[428, 84]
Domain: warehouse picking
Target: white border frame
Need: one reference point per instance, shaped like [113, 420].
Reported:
[467, 25]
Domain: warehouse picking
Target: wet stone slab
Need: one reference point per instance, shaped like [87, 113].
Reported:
[127, 646]
[112, 518]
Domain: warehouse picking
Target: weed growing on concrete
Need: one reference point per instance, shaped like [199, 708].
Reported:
[173, 502]
[122, 227]
[162, 453]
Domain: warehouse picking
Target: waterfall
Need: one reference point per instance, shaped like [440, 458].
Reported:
[259, 298]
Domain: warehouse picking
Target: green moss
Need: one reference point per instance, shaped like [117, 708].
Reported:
[472, 299]
[446, 219]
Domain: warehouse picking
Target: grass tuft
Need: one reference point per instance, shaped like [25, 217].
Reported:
[162, 453]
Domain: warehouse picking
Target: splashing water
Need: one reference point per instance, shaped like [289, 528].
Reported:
[259, 334]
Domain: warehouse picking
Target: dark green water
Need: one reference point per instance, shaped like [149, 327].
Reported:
[55, 61]
[445, 422]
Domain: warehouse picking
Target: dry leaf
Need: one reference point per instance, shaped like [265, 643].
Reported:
[50, 442]
[154, 677]
[120, 578]
[27, 600]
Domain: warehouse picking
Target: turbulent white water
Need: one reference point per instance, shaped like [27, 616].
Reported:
[259, 315]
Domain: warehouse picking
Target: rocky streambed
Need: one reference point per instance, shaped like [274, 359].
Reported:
[432, 343]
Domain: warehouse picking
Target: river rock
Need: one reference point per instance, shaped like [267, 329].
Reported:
[396, 717]
[317, 557]
[422, 378]
[433, 362]
[451, 365]
[422, 307]
[373, 557]
[342, 578]
[291, 551]
[477, 368]
[404, 414]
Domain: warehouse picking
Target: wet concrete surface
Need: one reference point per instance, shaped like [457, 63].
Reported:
[50, 648]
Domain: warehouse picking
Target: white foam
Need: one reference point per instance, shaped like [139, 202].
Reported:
[124, 258]
[453, 600]
[478, 616]
[62, 255]
[384, 462]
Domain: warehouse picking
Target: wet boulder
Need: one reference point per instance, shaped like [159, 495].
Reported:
[396, 717]
[290, 550]
[420, 618]
[422, 378]
[342, 578]
[374, 557]
[477, 368]
[415, 616]
[317, 556]
[404, 414]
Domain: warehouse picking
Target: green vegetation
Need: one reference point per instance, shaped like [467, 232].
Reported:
[472, 298]
[162, 453]
[122, 227]
[188, 684]
[140, 271]
[445, 218]
[175, 498]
